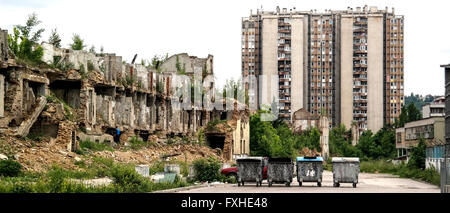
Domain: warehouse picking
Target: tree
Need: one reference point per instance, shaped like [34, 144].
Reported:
[418, 155]
[181, 70]
[409, 113]
[78, 43]
[24, 40]
[92, 49]
[340, 143]
[55, 39]
[413, 113]
[262, 136]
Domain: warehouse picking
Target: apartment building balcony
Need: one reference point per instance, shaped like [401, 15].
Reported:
[359, 30]
[361, 51]
[284, 79]
[282, 72]
[286, 94]
[360, 23]
[360, 65]
[360, 101]
[280, 23]
[360, 115]
[285, 87]
[284, 31]
[360, 108]
[285, 101]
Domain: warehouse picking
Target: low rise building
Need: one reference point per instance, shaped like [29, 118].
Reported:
[431, 129]
[433, 110]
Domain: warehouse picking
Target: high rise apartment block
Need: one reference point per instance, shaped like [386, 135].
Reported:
[346, 64]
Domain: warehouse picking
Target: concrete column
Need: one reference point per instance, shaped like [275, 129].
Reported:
[297, 52]
[270, 60]
[2, 96]
[346, 71]
[375, 73]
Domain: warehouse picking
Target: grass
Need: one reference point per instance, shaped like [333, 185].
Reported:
[69, 112]
[59, 180]
[136, 143]
[402, 170]
[94, 146]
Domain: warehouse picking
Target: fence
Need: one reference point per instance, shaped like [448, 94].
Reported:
[445, 171]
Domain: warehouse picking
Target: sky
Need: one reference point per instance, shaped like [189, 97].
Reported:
[202, 27]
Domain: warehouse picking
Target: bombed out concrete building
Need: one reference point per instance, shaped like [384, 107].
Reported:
[79, 95]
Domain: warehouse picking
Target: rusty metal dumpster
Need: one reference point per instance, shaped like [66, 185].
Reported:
[280, 170]
[309, 169]
[345, 170]
[250, 169]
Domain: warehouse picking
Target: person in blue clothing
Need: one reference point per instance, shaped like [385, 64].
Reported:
[117, 135]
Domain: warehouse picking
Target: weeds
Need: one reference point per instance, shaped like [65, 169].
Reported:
[94, 146]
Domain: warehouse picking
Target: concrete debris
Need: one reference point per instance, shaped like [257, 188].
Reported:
[3, 157]
[91, 96]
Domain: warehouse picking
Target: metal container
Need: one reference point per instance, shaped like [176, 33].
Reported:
[345, 170]
[280, 170]
[250, 169]
[309, 169]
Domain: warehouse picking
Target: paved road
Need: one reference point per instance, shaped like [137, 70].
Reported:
[368, 183]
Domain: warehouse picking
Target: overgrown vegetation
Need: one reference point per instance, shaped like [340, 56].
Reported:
[55, 39]
[181, 70]
[212, 126]
[207, 170]
[77, 43]
[94, 146]
[275, 139]
[70, 115]
[10, 168]
[24, 42]
[58, 180]
[402, 170]
[136, 143]
[409, 113]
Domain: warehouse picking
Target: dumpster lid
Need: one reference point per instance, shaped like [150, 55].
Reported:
[249, 159]
[281, 160]
[319, 159]
[339, 159]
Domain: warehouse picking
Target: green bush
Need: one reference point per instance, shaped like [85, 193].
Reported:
[124, 175]
[56, 177]
[207, 170]
[156, 167]
[10, 168]
[94, 146]
[418, 155]
[136, 143]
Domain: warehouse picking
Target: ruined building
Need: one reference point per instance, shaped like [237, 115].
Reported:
[78, 95]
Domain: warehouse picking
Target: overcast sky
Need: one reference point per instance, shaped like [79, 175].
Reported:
[202, 27]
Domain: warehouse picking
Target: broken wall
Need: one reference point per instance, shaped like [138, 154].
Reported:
[3, 45]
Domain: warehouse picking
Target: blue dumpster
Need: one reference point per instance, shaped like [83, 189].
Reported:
[309, 169]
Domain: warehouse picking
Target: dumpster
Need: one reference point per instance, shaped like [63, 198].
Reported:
[309, 169]
[250, 169]
[280, 170]
[345, 170]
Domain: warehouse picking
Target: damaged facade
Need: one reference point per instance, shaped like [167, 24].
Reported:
[80, 95]
[304, 120]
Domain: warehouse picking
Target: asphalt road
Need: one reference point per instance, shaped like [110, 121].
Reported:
[368, 183]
